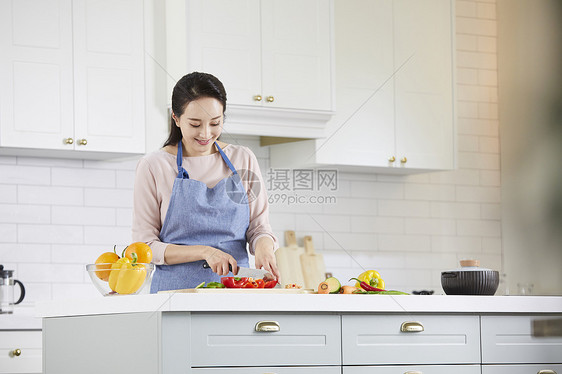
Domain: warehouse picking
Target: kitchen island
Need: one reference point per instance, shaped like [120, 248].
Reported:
[299, 333]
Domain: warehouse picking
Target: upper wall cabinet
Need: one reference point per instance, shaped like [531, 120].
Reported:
[274, 58]
[72, 76]
[395, 112]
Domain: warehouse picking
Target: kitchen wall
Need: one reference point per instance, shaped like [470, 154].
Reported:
[57, 215]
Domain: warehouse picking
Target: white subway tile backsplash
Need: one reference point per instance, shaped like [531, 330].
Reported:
[480, 161]
[322, 222]
[464, 177]
[102, 197]
[475, 26]
[56, 215]
[8, 232]
[403, 208]
[404, 243]
[107, 235]
[455, 210]
[478, 194]
[12, 213]
[8, 193]
[16, 252]
[369, 224]
[456, 244]
[490, 178]
[476, 60]
[486, 11]
[83, 177]
[17, 174]
[479, 228]
[50, 195]
[465, 8]
[487, 44]
[71, 215]
[54, 234]
[482, 127]
[124, 216]
[429, 192]
[430, 226]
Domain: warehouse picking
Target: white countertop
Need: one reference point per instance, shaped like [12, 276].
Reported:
[206, 302]
[23, 318]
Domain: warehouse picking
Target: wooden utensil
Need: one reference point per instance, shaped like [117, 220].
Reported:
[288, 261]
[312, 263]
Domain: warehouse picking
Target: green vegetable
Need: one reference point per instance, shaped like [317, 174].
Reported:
[200, 285]
[334, 285]
[215, 285]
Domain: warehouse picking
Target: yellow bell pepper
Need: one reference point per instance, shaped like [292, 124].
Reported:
[126, 277]
[372, 278]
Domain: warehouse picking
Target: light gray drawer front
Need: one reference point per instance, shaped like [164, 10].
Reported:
[29, 343]
[377, 339]
[509, 340]
[271, 370]
[413, 369]
[522, 369]
[220, 339]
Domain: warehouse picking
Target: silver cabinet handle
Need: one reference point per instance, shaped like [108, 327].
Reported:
[546, 372]
[411, 326]
[267, 326]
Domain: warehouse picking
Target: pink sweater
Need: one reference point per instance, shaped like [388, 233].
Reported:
[154, 180]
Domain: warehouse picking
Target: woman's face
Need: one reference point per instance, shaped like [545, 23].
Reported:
[200, 125]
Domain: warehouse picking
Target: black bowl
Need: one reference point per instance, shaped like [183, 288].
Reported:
[470, 282]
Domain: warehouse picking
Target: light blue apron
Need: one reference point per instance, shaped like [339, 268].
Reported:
[198, 215]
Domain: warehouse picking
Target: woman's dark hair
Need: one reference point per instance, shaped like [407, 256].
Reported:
[191, 87]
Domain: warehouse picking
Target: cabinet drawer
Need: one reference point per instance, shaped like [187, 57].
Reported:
[29, 343]
[509, 340]
[220, 339]
[271, 370]
[522, 369]
[413, 369]
[378, 339]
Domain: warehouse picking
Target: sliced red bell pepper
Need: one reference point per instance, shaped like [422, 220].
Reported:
[270, 284]
[259, 283]
[234, 282]
[250, 284]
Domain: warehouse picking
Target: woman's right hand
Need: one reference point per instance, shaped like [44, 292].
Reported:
[220, 261]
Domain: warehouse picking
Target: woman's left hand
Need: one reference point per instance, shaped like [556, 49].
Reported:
[265, 257]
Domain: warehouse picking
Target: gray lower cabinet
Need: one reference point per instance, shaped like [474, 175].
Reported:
[509, 340]
[410, 339]
[413, 369]
[253, 339]
[270, 370]
[522, 369]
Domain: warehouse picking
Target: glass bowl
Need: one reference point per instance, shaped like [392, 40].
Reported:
[125, 281]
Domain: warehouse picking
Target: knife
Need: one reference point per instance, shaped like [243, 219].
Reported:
[247, 272]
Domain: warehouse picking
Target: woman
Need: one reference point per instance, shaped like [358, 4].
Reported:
[190, 204]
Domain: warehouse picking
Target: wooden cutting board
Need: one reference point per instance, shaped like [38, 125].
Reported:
[242, 290]
[312, 263]
[289, 261]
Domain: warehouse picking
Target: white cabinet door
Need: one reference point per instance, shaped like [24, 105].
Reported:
[279, 49]
[423, 83]
[109, 75]
[296, 54]
[271, 370]
[362, 130]
[36, 73]
[224, 40]
[20, 351]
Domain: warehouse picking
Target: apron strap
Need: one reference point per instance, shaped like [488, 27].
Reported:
[225, 158]
[182, 173]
